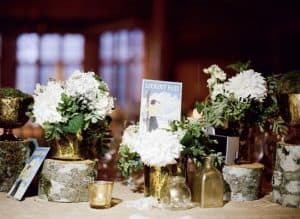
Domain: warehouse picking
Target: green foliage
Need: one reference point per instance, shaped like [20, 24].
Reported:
[74, 125]
[98, 136]
[240, 66]
[196, 141]
[128, 162]
[12, 92]
[289, 83]
[52, 131]
[77, 120]
[68, 107]
[228, 112]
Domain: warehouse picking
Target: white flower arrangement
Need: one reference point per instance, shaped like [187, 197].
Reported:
[71, 106]
[247, 84]
[158, 148]
[244, 100]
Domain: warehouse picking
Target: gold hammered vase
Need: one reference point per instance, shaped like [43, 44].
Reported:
[67, 147]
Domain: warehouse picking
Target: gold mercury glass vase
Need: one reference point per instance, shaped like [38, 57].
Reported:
[68, 147]
[208, 186]
[156, 178]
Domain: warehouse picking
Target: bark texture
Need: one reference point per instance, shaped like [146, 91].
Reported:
[66, 181]
[242, 182]
[286, 175]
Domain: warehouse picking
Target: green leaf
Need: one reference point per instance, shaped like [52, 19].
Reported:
[74, 125]
[128, 162]
[240, 66]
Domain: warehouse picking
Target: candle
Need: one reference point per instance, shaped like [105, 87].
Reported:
[100, 194]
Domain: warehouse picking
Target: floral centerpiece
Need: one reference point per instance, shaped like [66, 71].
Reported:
[246, 100]
[161, 152]
[75, 110]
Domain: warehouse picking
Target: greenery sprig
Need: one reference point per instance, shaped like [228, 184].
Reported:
[128, 162]
[196, 142]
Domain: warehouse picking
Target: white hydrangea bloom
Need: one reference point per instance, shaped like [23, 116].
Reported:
[159, 148]
[92, 93]
[130, 137]
[46, 100]
[101, 106]
[247, 84]
[82, 84]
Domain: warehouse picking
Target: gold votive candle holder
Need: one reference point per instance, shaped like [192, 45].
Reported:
[100, 194]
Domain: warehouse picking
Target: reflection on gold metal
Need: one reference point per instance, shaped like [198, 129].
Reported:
[100, 194]
[67, 148]
[156, 178]
[212, 186]
[12, 111]
[13, 114]
[290, 108]
[196, 184]
[294, 106]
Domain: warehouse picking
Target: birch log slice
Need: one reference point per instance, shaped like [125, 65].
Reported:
[286, 175]
[66, 181]
[242, 182]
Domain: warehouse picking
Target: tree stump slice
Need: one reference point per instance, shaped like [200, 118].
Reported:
[13, 156]
[242, 182]
[66, 181]
[286, 175]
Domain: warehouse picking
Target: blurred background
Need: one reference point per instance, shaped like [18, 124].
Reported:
[127, 40]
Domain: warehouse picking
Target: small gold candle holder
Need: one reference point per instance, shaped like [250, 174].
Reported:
[100, 194]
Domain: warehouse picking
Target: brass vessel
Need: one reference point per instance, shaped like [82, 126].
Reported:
[290, 111]
[13, 114]
[156, 178]
[208, 187]
[67, 147]
[290, 108]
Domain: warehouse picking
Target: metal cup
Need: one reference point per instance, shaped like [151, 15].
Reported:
[100, 194]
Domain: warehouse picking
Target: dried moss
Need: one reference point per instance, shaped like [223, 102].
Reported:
[12, 92]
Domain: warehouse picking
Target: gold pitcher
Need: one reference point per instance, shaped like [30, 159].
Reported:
[67, 147]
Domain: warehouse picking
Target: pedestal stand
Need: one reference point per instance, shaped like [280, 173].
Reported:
[66, 181]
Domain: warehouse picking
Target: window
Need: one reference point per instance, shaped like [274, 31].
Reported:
[40, 57]
[121, 56]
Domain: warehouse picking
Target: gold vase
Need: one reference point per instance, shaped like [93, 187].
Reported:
[290, 108]
[289, 105]
[67, 147]
[156, 179]
[210, 181]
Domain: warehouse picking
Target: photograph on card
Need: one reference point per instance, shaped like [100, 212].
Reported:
[27, 174]
[160, 104]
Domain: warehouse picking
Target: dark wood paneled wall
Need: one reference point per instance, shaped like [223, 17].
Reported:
[182, 37]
